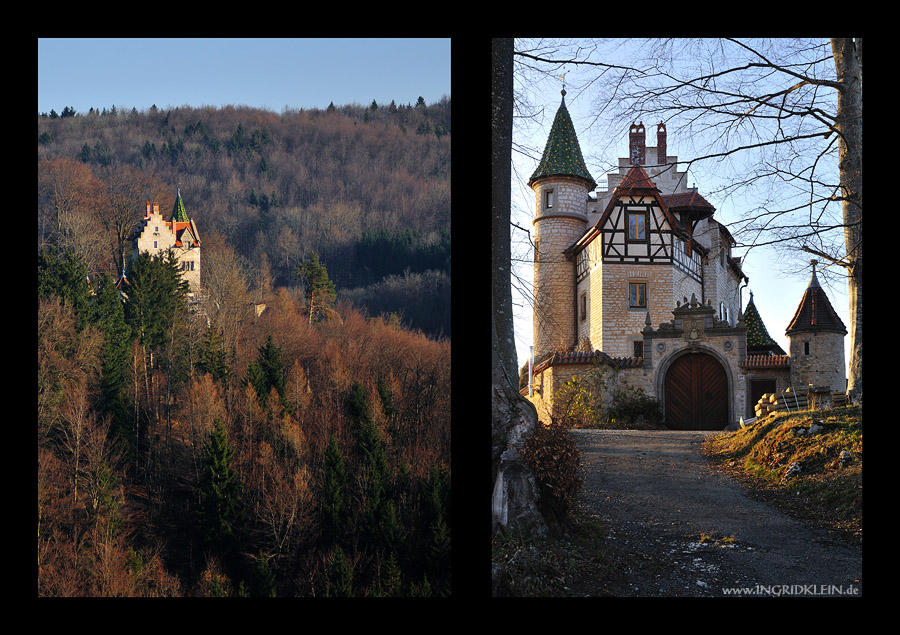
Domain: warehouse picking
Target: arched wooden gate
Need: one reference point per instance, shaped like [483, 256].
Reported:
[696, 393]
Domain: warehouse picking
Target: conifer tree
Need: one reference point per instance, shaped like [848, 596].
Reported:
[390, 584]
[380, 519]
[263, 578]
[340, 576]
[219, 492]
[108, 314]
[334, 501]
[213, 358]
[65, 275]
[318, 290]
[156, 293]
[267, 372]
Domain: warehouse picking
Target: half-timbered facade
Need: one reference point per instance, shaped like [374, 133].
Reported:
[641, 277]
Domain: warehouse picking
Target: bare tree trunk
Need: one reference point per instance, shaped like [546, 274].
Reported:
[848, 64]
[514, 500]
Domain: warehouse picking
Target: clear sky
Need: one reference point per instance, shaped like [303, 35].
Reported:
[264, 73]
[775, 295]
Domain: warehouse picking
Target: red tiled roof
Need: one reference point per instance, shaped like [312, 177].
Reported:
[587, 358]
[815, 312]
[636, 179]
[764, 360]
[685, 199]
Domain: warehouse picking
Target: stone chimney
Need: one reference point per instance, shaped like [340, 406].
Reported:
[661, 144]
[148, 209]
[155, 207]
[637, 143]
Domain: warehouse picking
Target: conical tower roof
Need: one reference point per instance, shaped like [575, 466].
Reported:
[562, 155]
[758, 338]
[815, 312]
[178, 213]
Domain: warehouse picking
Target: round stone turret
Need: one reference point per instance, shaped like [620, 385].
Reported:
[816, 336]
[561, 184]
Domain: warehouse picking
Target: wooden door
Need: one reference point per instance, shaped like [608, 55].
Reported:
[696, 394]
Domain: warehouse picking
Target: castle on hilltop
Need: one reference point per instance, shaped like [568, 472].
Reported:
[179, 235]
[641, 279]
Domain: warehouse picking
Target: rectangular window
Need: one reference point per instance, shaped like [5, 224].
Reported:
[548, 199]
[583, 305]
[806, 348]
[637, 295]
[637, 226]
[638, 349]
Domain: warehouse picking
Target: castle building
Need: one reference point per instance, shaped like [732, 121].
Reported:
[641, 279]
[179, 235]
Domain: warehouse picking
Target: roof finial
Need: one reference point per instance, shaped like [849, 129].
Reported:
[813, 281]
[562, 78]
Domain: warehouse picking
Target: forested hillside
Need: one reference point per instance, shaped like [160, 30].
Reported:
[221, 450]
[366, 187]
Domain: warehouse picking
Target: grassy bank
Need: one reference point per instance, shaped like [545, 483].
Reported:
[808, 464]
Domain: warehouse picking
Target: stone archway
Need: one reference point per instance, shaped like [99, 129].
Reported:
[696, 393]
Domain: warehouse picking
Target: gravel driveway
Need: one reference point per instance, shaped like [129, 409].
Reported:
[656, 493]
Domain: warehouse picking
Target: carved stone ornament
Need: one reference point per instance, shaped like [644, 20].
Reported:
[727, 345]
[693, 330]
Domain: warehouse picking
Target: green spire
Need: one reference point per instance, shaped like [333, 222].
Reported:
[562, 156]
[178, 213]
[757, 335]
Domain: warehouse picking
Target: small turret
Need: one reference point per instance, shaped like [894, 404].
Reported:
[816, 336]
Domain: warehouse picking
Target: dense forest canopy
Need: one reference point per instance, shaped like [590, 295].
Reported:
[350, 183]
[220, 449]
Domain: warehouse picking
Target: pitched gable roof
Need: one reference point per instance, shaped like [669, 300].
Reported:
[638, 183]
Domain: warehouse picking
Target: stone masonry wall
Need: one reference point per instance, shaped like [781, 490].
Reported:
[556, 229]
[823, 366]
[617, 326]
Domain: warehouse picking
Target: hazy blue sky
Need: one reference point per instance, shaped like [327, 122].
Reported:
[266, 73]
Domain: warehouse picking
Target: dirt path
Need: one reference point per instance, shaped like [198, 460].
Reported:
[656, 493]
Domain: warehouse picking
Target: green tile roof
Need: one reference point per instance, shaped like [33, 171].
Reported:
[178, 213]
[562, 155]
[757, 335]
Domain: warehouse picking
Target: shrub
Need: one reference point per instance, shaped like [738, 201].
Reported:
[631, 406]
[552, 455]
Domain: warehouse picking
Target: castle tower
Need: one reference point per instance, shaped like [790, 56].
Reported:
[816, 336]
[561, 184]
